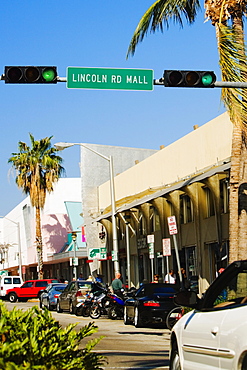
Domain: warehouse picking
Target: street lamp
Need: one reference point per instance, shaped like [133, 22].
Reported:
[19, 242]
[61, 146]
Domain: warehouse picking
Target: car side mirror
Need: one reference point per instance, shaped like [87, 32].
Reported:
[187, 298]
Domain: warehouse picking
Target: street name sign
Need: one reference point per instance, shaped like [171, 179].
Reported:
[109, 78]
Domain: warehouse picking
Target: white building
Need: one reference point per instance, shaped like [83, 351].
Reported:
[69, 208]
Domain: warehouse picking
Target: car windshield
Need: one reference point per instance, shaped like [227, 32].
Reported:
[229, 289]
[234, 292]
[59, 288]
[150, 289]
[85, 284]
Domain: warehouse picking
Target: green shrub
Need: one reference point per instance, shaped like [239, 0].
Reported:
[33, 339]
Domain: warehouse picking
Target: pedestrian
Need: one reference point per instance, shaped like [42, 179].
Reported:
[171, 277]
[156, 278]
[185, 281]
[117, 285]
[62, 280]
[80, 277]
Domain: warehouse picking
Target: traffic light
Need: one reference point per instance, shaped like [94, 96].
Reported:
[30, 75]
[176, 78]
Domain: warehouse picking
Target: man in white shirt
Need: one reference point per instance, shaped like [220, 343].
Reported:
[170, 278]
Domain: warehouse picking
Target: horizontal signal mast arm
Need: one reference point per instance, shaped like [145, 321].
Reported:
[224, 84]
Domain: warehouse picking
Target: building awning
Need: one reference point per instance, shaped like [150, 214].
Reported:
[167, 189]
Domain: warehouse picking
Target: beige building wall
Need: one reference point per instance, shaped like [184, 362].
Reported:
[202, 148]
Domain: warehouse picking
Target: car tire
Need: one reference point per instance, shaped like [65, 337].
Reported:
[78, 311]
[71, 308]
[86, 311]
[12, 297]
[126, 318]
[137, 319]
[49, 306]
[59, 310]
[41, 304]
[175, 360]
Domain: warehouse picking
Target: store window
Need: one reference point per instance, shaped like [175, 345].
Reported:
[210, 209]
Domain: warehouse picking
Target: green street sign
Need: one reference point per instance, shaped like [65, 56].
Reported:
[109, 78]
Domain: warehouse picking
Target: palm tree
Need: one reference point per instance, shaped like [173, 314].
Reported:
[38, 168]
[227, 18]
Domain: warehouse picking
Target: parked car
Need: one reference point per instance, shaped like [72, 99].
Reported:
[49, 296]
[150, 304]
[9, 282]
[213, 334]
[30, 289]
[74, 293]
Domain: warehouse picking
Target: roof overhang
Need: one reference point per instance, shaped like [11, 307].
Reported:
[178, 185]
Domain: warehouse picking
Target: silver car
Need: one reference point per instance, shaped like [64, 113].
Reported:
[213, 334]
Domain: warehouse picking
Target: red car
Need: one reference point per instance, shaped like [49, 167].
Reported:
[30, 289]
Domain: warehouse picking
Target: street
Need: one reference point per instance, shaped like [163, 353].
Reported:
[125, 347]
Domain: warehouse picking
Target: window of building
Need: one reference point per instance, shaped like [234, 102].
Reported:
[224, 196]
[190, 255]
[154, 220]
[186, 209]
[210, 209]
[142, 225]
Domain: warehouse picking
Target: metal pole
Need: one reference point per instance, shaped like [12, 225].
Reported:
[114, 224]
[224, 84]
[61, 146]
[19, 249]
[74, 237]
[128, 252]
[167, 268]
[152, 267]
[178, 260]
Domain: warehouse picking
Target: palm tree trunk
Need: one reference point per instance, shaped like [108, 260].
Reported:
[238, 176]
[39, 243]
[234, 186]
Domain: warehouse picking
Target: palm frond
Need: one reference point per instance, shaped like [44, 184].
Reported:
[160, 14]
[233, 65]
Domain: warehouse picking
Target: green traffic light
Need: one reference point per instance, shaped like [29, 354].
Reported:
[48, 74]
[207, 79]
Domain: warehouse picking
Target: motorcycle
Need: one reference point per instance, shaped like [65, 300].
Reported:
[116, 309]
[83, 308]
[99, 306]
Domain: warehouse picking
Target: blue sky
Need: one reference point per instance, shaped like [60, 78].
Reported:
[97, 34]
